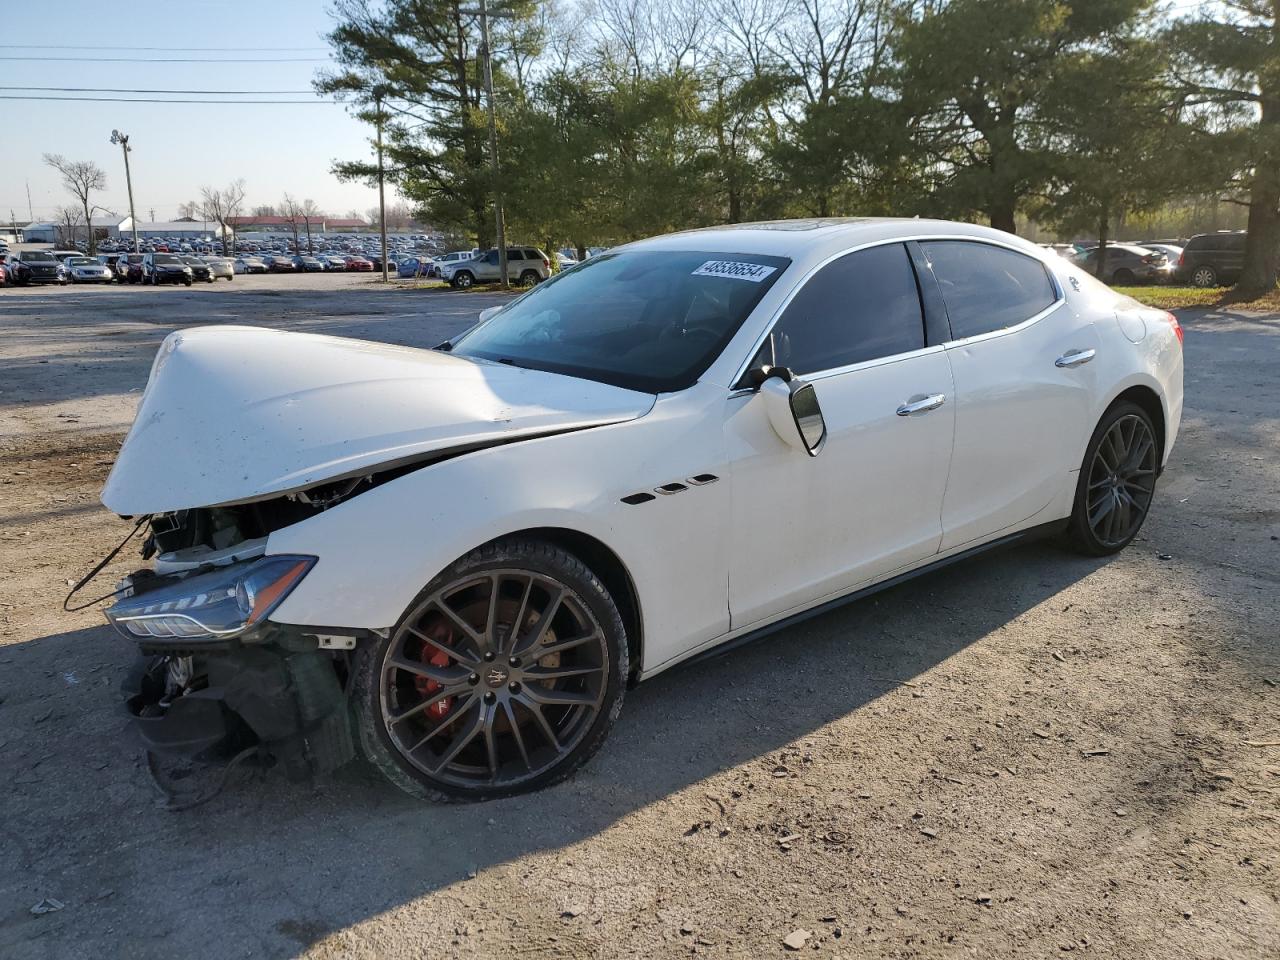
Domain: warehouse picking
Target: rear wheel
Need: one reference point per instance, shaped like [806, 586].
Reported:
[529, 278]
[1204, 276]
[1117, 482]
[1124, 277]
[505, 675]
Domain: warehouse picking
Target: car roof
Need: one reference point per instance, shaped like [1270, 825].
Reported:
[816, 237]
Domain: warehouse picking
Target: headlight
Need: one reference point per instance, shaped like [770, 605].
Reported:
[220, 604]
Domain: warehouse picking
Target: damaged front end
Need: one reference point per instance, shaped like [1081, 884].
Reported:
[215, 677]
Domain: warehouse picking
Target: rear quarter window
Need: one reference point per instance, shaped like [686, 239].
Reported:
[987, 288]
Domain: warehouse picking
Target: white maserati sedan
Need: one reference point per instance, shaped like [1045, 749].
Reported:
[456, 560]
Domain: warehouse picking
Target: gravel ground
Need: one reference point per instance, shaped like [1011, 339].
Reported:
[1025, 755]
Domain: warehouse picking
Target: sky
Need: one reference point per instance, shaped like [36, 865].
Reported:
[177, 148]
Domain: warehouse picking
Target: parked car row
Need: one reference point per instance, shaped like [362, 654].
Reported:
[1206, 260]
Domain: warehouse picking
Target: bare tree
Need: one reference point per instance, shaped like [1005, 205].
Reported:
[221, 205]
[309, 212]
[190, 210]
[265, 210]
[81, 178]
[291, 210]
[69, 220]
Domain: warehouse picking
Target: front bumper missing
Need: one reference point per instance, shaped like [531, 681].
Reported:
[288, 703]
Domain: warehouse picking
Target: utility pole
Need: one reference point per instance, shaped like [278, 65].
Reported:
[123, 140]
[382, 196]
[31, 211]
[487, 53]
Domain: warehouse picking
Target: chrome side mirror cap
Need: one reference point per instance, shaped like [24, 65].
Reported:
[793, 409]
[488, 312]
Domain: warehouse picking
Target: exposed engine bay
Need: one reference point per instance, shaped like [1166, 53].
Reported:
[208, 690]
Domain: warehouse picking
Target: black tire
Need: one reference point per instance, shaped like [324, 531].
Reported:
[463, 280]
[1204, 276]
[1124, 277]
[375, 684]
[187, 281]
[1114, 484]
[529, 278]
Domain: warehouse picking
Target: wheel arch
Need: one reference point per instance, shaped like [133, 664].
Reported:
[1149, 400]
[601, 559]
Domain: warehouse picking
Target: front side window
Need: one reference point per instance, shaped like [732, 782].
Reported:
[650, 320]
[986, 287]
[861, 307]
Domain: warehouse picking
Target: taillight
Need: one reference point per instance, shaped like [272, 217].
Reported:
[1182, 259]
[1177, 327]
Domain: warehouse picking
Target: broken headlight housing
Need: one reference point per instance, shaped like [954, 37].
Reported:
[218, 605]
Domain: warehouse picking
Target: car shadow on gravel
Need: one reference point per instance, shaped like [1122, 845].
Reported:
[82, 821]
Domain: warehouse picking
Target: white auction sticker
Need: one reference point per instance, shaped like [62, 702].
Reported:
[735, 269]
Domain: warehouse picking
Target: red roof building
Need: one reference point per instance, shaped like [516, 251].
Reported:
[322, 224]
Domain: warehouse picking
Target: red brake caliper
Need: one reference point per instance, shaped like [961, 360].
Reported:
[425, 685]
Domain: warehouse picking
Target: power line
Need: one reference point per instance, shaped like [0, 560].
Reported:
[155, 100]
[54, 46]
[172, 59]
[126, 90]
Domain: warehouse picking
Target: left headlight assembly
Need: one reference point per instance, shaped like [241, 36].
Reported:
[218, 605]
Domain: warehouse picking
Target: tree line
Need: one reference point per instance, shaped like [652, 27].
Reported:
[625, 118]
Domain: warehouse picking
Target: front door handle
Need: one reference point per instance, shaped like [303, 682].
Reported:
[1074, 358]
[922, 404]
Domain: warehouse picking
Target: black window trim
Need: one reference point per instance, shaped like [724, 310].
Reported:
[1059, 296]
[742, 387]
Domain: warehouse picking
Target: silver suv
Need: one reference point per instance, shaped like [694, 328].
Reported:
[525, 266]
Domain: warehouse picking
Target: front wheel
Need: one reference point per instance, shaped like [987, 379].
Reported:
[463, 280]
[1117, 482]
[504, 676]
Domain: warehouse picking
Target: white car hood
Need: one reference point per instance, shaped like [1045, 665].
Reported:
[233, 414]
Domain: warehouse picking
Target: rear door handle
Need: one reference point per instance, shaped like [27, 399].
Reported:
[922, 404]
[1074, 358]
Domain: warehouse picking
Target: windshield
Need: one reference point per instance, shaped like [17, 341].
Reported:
[39, 256]
[166, 258]
[650, 320]
[81, 261]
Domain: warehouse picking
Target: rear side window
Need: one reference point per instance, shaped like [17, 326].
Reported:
[986, 287]
[861, 307]
[1235, 243]
[514, 255]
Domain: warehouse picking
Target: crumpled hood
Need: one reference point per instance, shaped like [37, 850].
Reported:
[232, 414]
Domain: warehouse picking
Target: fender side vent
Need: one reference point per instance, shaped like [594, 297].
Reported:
[670, 488]
[703, 479]
[637, 498]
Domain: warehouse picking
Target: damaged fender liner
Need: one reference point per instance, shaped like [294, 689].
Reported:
[209, 704]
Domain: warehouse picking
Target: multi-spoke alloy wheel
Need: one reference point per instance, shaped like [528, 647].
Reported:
[504, 675]
[1117, 481]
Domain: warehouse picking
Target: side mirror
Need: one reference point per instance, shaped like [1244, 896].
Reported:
[793, 410]
[488, 312]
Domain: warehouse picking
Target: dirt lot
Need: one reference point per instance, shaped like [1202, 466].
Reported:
[1026, 755]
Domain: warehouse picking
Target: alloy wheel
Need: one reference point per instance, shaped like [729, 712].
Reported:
[1204, 277]
[494, 679]
[1122, 480]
